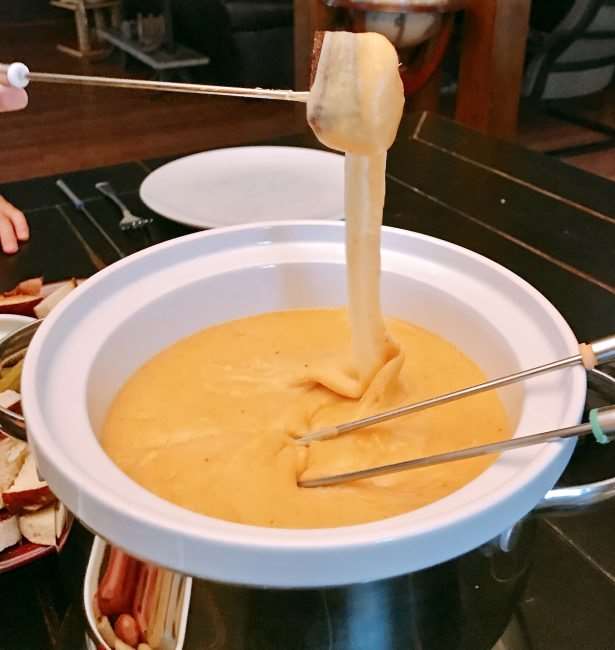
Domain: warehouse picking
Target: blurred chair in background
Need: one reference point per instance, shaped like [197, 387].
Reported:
[573, 56]
[571, 53]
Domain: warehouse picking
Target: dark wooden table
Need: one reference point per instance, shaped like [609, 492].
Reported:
[550, 223]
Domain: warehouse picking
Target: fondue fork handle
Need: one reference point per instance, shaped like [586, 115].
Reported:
[591, 354]
[18, 75]
[603, 426]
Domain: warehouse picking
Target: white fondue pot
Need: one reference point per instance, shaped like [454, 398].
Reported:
[90, 345]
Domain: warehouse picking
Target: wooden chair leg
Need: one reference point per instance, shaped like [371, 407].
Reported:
[491, 69]
[116, 16]
[100, 20]
[83, 28]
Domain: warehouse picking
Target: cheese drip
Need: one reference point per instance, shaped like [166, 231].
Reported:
[355, 106]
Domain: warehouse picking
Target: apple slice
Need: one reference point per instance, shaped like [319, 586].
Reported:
[30, 287]
[43, 308]
[9, 399]
[22, 305]
[61, 517]
[9, 531]
[28, 492]
[39, 527]
[50, 287]
[12, 456]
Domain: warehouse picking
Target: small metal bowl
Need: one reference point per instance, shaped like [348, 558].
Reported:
[12, 346]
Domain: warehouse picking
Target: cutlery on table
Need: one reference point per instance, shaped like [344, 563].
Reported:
[79, 204]
[129, 220]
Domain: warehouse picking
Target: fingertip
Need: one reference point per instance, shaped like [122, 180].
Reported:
[20, 223]
[22, 100]
[13, 99]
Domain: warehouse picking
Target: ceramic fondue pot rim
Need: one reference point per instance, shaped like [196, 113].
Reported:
[107, 512]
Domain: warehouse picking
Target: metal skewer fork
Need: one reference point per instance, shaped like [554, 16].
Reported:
[129, 220]
[590, 355]
[602, 425]
[80, 205]
[18, 75]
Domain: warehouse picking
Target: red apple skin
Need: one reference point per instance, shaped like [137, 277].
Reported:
[16, 408]
[27, 500]
[19, 305]
[10, 400]
[30, 287]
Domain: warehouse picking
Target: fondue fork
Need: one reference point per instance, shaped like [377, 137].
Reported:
[601, 424]
[19, 76]
[590, 355]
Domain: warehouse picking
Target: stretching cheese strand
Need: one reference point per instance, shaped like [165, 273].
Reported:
[355, 106]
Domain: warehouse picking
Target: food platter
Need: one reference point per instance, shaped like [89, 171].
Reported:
[33, 523]
[27, 552]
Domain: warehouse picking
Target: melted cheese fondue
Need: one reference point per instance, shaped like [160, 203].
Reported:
[209, 423]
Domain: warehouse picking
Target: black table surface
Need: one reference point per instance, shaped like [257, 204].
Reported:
[552, 224]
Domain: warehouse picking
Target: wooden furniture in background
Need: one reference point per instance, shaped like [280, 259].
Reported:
[491, 66]
[492, 56]
[104, 12]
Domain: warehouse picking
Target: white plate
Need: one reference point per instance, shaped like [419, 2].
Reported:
[239, 185]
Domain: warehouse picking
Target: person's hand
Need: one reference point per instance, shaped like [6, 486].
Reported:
[13, 227]
[13, 224]
[12, 99]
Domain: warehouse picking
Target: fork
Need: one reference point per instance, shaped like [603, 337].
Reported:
[129, 221]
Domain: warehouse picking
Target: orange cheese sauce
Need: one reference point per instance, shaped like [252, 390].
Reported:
[209, 422]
